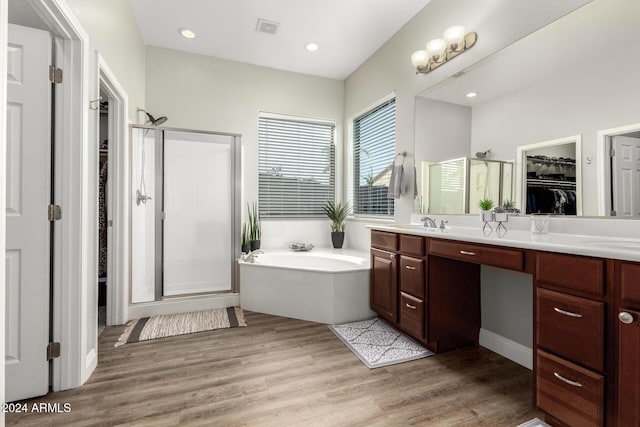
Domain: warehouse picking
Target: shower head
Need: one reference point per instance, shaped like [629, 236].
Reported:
[157, 122]
[152, 120]
[483, 154]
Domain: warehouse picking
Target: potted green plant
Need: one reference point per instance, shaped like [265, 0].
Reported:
[337, 213]
[245, 243]
[254, 226]
[486, 214]
[509, 206]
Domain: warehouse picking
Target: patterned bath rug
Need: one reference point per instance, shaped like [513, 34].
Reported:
[534, 423]
[377, 344]
[169, 325]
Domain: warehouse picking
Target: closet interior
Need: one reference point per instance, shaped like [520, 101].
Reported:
[551, 185]
[103, 197]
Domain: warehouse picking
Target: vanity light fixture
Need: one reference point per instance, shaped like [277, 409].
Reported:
[311, 46]
[186, 33]
[439, 51]
[471, 94]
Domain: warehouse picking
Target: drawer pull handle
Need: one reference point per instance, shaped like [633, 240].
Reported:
[412, 307]
[566, 313]
[392, 256]
[626, 318]
[409, 267]
[563, 379]
[468, 253]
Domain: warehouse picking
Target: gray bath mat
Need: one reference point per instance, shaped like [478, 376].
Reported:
[169, 325]
[534, 423]
[377, 344]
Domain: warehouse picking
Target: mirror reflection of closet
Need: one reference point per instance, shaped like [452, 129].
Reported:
[550, 174]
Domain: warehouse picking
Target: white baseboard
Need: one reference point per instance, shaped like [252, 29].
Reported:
[519, 353]
[183, 305]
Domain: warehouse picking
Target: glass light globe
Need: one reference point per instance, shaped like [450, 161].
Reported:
[435, 49]
[454, 37]
[419, 58]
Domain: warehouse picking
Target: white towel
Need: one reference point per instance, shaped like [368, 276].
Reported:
[396, 182]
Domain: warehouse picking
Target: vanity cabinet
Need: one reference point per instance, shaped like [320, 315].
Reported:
[629, 368]
[570, 307]
[628, 356]
[384, 284]
[384, 275]
[438, 299]
[586, 343]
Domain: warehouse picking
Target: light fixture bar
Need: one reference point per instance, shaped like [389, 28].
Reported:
[425, 63]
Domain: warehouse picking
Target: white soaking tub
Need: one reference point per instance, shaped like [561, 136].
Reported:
[323, 285]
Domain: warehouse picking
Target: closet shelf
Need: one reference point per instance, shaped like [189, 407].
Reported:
[550, 161]
[550, 182]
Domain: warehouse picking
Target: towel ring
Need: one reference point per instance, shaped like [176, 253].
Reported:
[403, 154]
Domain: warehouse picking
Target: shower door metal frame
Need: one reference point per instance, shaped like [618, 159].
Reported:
[235, 177]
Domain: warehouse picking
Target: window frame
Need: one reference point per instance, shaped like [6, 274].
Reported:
[350, 159]
[262, 115]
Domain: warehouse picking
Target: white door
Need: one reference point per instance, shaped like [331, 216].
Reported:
[28, 194]
[625, 166]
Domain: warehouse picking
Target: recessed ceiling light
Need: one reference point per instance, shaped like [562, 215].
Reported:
[311, 46]
[472, 95]
[186, 33]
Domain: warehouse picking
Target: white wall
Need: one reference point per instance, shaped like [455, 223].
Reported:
[442, 130]
[206, 93]
[497, 22]
[113, 32]
[592, 96]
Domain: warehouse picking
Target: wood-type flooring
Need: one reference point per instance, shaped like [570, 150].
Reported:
[284, 372]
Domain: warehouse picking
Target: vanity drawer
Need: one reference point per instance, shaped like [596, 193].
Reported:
[571, 394]
[384, 240]
[570, 271]
[413, 245]
[412, 278]
[572, 327]
[630, 282]
[412, 315]
[512, 259]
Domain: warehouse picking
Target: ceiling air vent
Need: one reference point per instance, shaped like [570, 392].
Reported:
[268, 27]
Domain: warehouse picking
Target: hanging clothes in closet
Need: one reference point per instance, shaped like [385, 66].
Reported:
[102, 219]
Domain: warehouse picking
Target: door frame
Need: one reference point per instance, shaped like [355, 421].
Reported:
[118, 250]
[603, 145]
[71, 247]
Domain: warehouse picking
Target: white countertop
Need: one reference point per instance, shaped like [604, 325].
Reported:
[575, 244]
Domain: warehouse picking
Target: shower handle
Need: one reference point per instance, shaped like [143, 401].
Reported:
[141, 198]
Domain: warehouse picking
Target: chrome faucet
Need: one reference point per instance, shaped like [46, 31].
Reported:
[251, 256]
[429, 222]
[442, 224]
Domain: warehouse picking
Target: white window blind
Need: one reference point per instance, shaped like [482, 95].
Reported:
[296, 163]
[374, 147]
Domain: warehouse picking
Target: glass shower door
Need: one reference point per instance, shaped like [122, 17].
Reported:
[198, 210]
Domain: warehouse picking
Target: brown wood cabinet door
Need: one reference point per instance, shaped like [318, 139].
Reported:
[384, 284]
[629, 368]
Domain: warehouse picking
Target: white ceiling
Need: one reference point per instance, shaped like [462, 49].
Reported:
[348, 31]
[583, 36]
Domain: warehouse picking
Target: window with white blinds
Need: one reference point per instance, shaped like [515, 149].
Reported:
[296, 163]
[374, 147]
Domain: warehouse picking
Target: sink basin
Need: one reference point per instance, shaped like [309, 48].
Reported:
[419, 227]
[615, 244]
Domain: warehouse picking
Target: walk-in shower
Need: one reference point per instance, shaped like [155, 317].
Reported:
[184, 212]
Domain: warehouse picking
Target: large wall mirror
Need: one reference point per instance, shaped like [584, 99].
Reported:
[554, 105]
